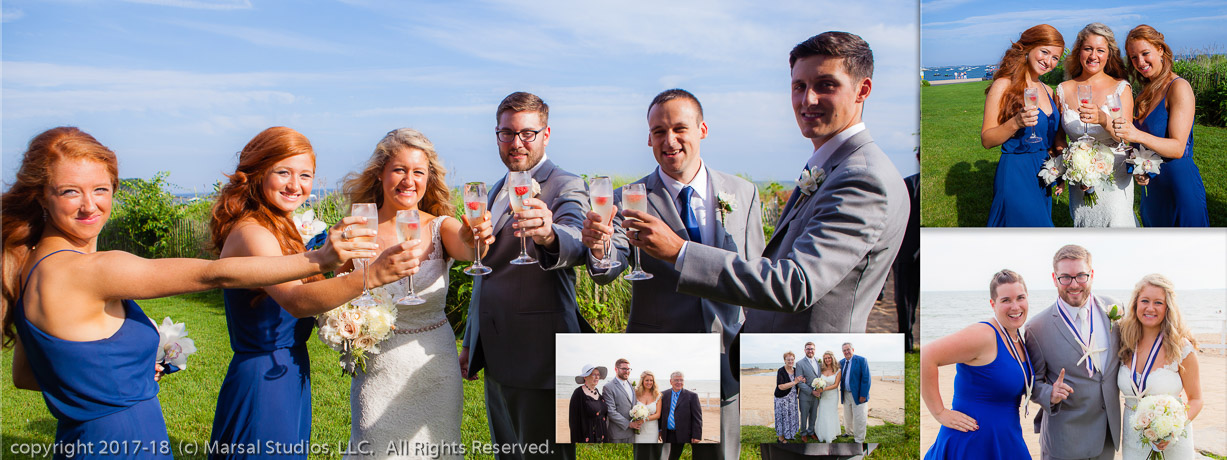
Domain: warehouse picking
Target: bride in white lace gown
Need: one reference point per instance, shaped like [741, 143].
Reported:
[827, 426]
[648, 394]
[1092, 59]
[410, 395]
[1172, 374]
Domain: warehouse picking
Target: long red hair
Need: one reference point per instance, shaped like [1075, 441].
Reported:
[242, 197]
[1014, 66]
[1152, 89]
[21, 206]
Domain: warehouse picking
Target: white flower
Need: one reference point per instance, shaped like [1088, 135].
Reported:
[1145, 161]
[820, 383]
[725, 205]
[810, 180]
[1052, 171]
[173, 345]
[308, 226]
[536, 188]
[639, 412]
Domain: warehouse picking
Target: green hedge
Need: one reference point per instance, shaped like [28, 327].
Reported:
[1207, 73]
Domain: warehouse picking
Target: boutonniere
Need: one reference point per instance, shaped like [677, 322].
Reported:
[724, 205]
[536, 188]
[810, 180]
[309, 228]
[633, 384]
[1114, 313]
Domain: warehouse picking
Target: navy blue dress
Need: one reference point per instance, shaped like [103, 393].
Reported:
[106, 405]
[1020, 198]
[1176, 197]
[265, 400]
[990, 394]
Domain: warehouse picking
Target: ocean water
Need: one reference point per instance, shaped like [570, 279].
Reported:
[945, 312]
[947, 73]
[564, 386]
[876, 368]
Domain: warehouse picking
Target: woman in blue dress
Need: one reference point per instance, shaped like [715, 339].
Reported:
[993, 376]
[64, 300]
[1020, 199]
[265, 399]
[1164, 110]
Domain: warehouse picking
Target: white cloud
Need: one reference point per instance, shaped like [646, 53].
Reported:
[263, 36]
[11, 14]
[938, 5]
[1220, 17]
[200, 4]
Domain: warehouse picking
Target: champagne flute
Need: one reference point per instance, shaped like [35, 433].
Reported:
[1030, 100]
[1114, 109]
[521, 187]
[635, 198]
[409, 227]
[371, 213]
[600, 188]
[475, 209]
[1084, 97]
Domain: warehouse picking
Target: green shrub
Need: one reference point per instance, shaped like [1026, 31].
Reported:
[1207, 74]
[924, 83]
[143, 219]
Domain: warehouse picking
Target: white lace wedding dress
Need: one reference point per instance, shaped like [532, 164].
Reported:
[410, 395]
[649, 433]
[1162, 381]
[827, 427]
[1114, 208]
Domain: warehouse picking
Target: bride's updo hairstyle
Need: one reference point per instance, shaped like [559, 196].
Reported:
[1151, 88]
[364, 187]
[1173, 328]
[655, 391]
[1014, 66]
[1115, 67]
[24, 216]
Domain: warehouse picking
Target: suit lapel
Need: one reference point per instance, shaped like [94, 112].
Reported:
[495, 193]
[718, 185]
[1064, 328]
[662, 203]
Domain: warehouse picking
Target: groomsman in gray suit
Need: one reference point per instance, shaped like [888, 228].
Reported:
[808, 367]
[1073, 348]
[516, 309]
[619, 397]
[828, 259]
[697, 204]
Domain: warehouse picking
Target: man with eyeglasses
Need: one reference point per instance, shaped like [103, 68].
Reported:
[1073, 349]
[516, 310]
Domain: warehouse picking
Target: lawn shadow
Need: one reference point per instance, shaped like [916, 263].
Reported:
[971, 185]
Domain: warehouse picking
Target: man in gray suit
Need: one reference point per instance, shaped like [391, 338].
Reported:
[516, 310]
[722, 211]
[1073, 348]
[828, 259]
[808, 367]
[619, 397]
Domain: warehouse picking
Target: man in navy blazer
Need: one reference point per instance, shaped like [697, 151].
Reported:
[681, 421]
[855, 392]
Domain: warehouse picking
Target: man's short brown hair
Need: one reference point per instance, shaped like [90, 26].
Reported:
[858, 58]
[676, 93]
[520, 101]
[620, 361]
[1071, 252]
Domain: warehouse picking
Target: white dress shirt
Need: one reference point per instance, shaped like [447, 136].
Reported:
[821, 155]
[1102, 331]
[502, 200]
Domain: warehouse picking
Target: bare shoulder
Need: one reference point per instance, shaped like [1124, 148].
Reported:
[998, 87]
[249, 238]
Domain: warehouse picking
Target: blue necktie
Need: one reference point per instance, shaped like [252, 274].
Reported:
[847, 375]
[687, 214]
[673, 408]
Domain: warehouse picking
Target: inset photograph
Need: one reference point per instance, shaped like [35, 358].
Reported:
[638, 388]
[1073, 343]
[821, 388]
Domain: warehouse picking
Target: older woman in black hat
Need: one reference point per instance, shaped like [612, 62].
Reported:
[588, 418]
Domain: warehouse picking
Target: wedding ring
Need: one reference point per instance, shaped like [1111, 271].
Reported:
[345, 233]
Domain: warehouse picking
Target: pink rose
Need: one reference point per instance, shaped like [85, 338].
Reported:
[348, 330]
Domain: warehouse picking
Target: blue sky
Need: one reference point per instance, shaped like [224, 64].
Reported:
[970, 32]
[182, 85]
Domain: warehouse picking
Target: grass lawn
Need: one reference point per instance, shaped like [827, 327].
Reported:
[894, 441]
[189, 397]
[957, 173]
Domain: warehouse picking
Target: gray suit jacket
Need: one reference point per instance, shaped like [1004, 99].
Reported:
[618, 405]
[805, 389]
[515, 310]
[656, 306]
[1076, 427]
[828, 259]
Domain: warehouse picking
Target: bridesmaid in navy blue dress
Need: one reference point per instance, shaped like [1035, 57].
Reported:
[993, 377]
[265, 399]
[1020, 199]
[1176, 197]
[64, 301]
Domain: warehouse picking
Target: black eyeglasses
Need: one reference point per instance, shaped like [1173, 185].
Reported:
[1081, 277]
[527, 135]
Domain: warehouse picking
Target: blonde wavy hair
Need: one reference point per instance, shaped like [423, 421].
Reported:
[655, 391]
[365, 187]
[834, 363]
[1174, 329]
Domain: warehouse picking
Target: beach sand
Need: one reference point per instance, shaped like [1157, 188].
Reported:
[711, 420]
[758, 401]
[953, 81]
[1210, 426]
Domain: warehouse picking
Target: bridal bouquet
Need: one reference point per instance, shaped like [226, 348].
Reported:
[821, 382]
[639, 412]
[356, 332]
[1089, 164]
[173, 346]
[1160, 418]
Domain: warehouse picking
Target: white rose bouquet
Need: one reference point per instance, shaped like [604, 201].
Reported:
[820, 382]
[173, 346]
[356, 332]
[639, 412]
[1160, 418]
[1089, 164]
